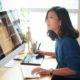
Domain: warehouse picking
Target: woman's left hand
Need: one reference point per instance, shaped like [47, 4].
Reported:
[41, 71]
[44, 72]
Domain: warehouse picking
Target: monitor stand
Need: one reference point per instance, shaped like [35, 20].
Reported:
[14, 61]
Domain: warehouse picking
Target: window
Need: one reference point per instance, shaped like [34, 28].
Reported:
[33, 13]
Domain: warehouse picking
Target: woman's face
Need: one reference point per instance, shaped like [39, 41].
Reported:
[53, 22]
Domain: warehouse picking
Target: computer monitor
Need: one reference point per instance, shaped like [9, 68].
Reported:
[11, 37]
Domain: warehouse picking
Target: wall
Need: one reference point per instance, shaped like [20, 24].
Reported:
[79, 22]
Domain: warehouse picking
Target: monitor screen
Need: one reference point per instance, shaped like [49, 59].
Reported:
[11, 38]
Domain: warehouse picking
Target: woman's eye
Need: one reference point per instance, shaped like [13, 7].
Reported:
[51, 17]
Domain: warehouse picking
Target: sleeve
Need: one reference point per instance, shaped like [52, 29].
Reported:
[71, 52]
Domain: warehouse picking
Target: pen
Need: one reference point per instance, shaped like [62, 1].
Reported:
[36, 43]
[39, 46]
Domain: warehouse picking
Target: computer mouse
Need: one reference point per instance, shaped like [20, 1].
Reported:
[39, 56]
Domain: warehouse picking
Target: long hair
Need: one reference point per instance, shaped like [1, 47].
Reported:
[66, 27]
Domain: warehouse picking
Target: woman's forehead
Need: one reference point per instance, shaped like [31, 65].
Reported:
[52, 13]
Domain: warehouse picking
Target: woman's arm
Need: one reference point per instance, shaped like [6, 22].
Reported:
[63, 71]
[52, 54]
[58, 72]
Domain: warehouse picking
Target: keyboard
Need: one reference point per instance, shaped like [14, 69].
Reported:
[26, 72]
[31, 59]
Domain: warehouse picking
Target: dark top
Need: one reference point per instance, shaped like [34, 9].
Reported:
[68, 55]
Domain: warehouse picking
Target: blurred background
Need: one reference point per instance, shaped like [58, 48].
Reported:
[32, 14]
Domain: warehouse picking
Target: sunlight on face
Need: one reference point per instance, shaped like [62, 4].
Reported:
[53, 22]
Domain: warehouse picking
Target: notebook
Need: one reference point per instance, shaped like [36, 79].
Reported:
[26, 72]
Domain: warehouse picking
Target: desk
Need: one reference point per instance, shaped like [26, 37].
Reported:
[15, 73]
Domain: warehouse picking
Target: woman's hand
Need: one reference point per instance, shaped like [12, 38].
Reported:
[52, 54]
[39, 52]
[41, 71]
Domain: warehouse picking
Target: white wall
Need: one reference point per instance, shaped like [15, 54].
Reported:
[12, 4]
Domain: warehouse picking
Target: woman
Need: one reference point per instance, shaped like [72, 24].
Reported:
[67, 51]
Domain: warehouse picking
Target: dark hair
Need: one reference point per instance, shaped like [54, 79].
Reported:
[66, 27]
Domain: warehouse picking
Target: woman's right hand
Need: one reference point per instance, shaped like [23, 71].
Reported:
[52, 54]
[39, 52]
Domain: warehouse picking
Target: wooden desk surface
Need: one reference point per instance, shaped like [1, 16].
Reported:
[15, 73]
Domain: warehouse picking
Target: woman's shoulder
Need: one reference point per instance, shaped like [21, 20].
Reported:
[69, 40]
